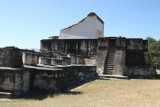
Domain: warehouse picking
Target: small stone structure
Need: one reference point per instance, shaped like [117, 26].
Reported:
[10, 57]
[30, 58]
[81, 53]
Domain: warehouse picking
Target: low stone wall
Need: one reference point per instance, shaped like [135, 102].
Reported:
[32, 78]
[23, 80]
[30, 58]
[75, 75]
[14, 80]
[47, 80]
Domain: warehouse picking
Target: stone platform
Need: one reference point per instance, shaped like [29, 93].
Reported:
[59, 78]
[112, 77]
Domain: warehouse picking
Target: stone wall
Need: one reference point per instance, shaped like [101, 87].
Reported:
[47, 80]
[90, 27]
[14, 80]
[10, 57]
[103, 45]
[23, 80]
[119, 62]
[85, 47]
[31, 78]
[78, 74]
[138, 61]
[30, 58]
[131, 51]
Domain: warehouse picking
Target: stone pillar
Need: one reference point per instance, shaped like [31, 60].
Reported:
[44, 60]
[53, 62]
[83, 48]
[66, 61]
[30, 58]
[73, 59]
[101, 54]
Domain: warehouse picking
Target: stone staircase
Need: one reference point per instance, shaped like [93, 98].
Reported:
[109, 64]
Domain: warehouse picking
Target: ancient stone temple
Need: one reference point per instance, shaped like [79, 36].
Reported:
[79, 54]
[110, 55]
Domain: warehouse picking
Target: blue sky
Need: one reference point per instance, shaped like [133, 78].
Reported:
[23, 23]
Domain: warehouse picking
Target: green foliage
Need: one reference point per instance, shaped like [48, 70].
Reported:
[150, 40]
[154, 51]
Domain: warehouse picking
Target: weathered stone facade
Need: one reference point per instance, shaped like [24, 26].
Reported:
[64, 61]
[40, 71]
[130, 56]
[10, 57]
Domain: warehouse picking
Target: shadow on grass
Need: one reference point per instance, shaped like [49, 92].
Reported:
[41, 95]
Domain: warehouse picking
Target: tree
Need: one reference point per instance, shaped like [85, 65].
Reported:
[154, 51]
[150, 40]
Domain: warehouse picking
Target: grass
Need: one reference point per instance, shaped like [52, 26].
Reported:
[101, 93]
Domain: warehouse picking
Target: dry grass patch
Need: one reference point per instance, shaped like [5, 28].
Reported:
[107, 93]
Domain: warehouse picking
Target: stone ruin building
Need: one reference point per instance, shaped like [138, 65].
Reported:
[79, 54]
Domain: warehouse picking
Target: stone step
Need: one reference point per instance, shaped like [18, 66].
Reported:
[108, 71]
[112, 49]
[111, 53]
[109, 66]
[5, 95]
[110, 63]
[110, 60]
[110, 56]
[112, 76]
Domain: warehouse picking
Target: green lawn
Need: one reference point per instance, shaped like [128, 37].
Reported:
[101, 93]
